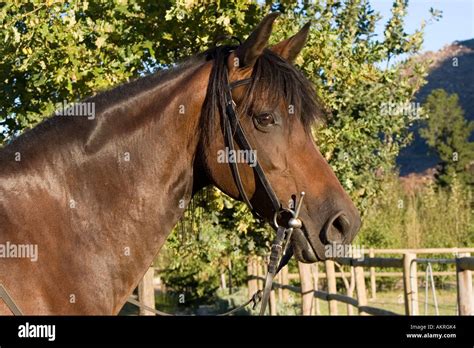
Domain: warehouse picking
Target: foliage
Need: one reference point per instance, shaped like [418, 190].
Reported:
[431, 217]
[447, 133]
[55, 51]
[213, 238]
[344, 59]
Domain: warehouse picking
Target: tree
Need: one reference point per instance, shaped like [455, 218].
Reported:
[447, 132]
[63, 51]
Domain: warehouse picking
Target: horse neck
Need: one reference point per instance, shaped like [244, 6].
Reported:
[129, 185]
[161, 177]
[166, 153]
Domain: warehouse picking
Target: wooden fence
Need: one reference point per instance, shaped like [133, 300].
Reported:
[354, 281]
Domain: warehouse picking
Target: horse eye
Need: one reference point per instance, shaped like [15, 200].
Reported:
[265, 119]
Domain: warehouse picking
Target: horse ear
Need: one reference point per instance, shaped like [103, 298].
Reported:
[290, 48]
[253, 47]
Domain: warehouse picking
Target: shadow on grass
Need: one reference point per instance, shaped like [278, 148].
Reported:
[169, 302]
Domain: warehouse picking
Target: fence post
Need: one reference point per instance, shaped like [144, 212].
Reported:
[272, 306]
[229, 268]
[360, 288]
[223, 283]
[414, 286]
[146, 291]
[260, 273]
[350, 290]
[373, 283]
[251, 274]
[306, 288]
[464, 284]
[284, 281]
[280, 290]
[332, 288]
[410, 283]
[315, 268]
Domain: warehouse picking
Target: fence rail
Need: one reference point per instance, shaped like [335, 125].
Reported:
[407, 262]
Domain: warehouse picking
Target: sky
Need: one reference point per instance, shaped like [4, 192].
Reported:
[457, 22]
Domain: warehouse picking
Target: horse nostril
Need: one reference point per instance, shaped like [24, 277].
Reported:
[337, 229]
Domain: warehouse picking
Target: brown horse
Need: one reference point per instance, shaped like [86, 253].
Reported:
[98, 197]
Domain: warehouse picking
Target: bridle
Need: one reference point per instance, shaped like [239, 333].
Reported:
[281, 243]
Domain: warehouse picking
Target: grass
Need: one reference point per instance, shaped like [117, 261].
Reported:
[391, 300]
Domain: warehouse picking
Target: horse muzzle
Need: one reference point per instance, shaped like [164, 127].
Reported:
[302, 248]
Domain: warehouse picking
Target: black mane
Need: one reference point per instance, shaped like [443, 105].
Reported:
[272, 78]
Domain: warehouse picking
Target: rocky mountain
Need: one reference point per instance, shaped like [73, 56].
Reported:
[451, 68]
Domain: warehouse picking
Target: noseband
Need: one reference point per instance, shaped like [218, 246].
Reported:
[281, 243]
